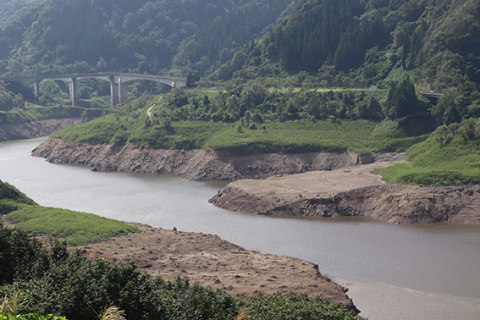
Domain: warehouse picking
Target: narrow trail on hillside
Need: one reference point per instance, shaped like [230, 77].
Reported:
[149, 111]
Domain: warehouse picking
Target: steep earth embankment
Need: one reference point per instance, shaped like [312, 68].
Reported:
[351, 192]
[189, 164]
[34, 129]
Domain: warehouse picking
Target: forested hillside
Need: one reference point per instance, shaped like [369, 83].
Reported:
[11, 10]
[359, 43]
[139, 36]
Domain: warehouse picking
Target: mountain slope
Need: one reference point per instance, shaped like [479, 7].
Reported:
[10, 10]
[436, 42]
[140, 36]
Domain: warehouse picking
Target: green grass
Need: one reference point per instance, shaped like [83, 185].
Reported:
[288, 136]
[455, 161]
[73, 227]
[199, 126]
[306, 136]
[296, 136]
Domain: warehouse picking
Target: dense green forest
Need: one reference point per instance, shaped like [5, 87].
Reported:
[337, 43]
[309, 44]
[361, 43]
[10, 10]
[140, 36]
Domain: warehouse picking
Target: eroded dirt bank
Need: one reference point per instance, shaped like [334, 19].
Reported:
[341, 188]
[35, 129]
[351, 192]
[216, 263]
[189, 164]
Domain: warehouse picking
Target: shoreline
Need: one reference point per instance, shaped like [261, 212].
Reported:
[195, 165]
[347, 283]
[351, 192]
[216, 263]
[296, 185]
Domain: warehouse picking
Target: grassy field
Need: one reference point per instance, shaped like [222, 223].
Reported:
[303, 136]
[288, 136]
[448, 159]
[73, 227]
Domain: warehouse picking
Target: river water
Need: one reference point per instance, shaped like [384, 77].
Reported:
[393, 272]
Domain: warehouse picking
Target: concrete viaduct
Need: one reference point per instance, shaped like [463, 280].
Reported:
[118, 83]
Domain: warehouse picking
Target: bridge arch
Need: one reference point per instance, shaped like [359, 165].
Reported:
[118, 83]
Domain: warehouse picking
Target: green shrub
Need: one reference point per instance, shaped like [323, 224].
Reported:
[29, 316]
[8, 205]
[294, 306]
[439, 178]
[8, 191]
[22, 257]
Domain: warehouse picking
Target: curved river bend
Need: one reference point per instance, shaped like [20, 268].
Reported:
[393, 272]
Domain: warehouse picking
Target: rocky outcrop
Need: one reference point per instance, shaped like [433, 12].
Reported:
[34, 129]
[189, 164]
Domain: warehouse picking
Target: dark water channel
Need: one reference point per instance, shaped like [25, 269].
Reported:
[394, 272]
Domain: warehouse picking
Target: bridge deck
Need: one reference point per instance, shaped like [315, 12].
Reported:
[118, 82]
[431, 94]
[137, 76]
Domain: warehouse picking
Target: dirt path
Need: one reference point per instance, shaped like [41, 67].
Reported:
[149, 111]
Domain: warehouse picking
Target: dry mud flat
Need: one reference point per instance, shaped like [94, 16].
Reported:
[351, 191]
[216, 263]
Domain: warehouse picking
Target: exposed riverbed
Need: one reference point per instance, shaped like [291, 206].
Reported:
[394, 272]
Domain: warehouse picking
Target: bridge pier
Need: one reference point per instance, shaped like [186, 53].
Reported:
[118, 90]
[118, 83]
[36, 87]
[73, 91]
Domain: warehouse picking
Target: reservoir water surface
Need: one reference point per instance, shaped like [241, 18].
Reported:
[393, 272]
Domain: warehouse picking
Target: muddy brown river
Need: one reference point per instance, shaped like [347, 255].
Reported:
[393, 272]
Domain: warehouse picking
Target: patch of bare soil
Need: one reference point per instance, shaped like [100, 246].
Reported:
[213, 262]
[267, 195]
[352, 191]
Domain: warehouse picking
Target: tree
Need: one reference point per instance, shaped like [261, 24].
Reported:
[402, 100]
[6, 101]
[449, 108]
[442, 133]
[370, 110]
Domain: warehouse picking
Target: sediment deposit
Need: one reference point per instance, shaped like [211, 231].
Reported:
[351, 192]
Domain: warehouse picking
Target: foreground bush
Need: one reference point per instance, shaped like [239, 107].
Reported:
[24, 258]
[73, 286]
[29, 316]
[294, 306]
